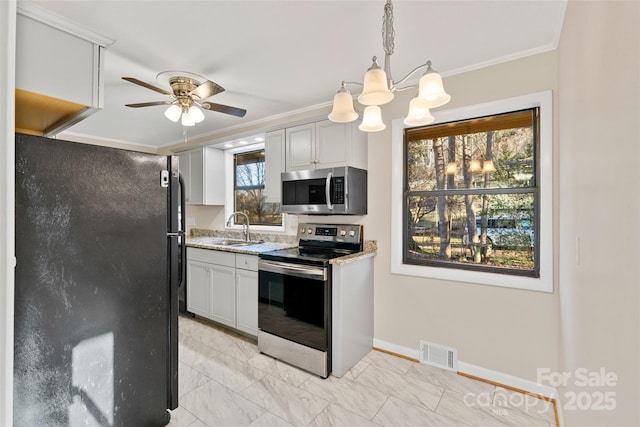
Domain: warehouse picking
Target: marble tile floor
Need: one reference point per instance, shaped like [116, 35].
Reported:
[224, 381]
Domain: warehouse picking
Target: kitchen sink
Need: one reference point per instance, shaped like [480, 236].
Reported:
[230, 242]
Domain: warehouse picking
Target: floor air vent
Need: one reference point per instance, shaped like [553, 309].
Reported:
[439, 355]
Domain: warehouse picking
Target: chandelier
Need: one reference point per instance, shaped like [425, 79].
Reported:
[378, 89]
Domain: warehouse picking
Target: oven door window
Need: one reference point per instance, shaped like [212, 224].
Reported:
[294, 308]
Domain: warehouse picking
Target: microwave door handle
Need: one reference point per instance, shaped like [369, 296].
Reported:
[327, 191]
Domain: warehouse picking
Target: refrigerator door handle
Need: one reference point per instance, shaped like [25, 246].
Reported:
[183, 228]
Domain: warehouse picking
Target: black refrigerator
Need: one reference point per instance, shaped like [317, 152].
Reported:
[96, 287]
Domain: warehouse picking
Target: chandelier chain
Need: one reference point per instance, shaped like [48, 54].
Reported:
[388, 33]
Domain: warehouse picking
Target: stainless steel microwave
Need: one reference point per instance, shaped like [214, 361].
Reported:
[333, 191]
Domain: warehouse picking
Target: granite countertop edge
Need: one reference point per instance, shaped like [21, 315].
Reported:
[206, 242]
[370, 249]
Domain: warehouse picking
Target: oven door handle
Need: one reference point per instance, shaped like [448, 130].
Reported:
[298, 270]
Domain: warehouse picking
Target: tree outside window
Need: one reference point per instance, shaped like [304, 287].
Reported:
[249, 195]
[471, 194]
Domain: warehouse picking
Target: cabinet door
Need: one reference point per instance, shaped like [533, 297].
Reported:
[274, 165]
[300, 147]
[247, 299]
[191, 168]
[223, 295]
[213, 177]
[196, 180]
[203, 172]
[198, 288]
[56, 62]
[333, 144]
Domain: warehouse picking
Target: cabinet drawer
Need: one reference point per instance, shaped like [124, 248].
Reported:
[247, 262]
[212, 257]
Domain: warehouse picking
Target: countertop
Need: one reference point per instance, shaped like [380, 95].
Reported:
[211, 242]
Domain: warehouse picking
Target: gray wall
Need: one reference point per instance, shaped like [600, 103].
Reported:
[506, 330]
[599, 80]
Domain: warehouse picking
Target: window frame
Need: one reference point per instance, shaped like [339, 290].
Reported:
[508, 119]
[230, 177]
[543, 283]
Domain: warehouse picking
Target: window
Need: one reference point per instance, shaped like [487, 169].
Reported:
[249, 169]
[472, 195]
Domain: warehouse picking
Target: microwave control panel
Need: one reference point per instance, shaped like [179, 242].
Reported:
[338, 190]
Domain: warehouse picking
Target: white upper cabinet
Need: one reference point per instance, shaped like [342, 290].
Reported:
[274, 165]
[325, 144]
[333, 142]
[56, 59]
[300, 147]
[203, 172]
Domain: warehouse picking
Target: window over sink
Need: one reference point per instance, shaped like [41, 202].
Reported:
[248, 188]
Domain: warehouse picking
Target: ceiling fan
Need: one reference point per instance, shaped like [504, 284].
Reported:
[188, 92]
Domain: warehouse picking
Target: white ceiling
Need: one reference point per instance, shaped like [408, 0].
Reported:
[274, 57]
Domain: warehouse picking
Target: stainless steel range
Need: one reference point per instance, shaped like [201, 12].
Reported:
[294, 300]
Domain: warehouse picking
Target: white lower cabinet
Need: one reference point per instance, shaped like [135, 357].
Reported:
[223, 295]
[223, 286]
[247, 301]
[199, 287]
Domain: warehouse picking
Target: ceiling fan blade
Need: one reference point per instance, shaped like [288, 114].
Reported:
[239, 112]
[207, 89]
[147, 85]
[148, 104]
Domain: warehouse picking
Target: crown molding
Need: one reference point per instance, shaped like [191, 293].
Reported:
[47, 17]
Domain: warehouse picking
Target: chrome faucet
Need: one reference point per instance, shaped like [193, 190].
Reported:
[245, 226]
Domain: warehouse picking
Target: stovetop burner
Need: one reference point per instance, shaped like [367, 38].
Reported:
[319, 243]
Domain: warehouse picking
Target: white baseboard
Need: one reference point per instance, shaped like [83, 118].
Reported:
[480, 372]
[397, 349]
[508, 380]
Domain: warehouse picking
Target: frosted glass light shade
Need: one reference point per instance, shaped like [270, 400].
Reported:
[343, 111]
[375, 89]
[419, 114]
[196, 114]
[372, 119]
[173, 113]
[187, 120]
[432, 90]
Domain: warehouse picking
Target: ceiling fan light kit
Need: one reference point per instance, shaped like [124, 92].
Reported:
[378, 89]
[188, 91]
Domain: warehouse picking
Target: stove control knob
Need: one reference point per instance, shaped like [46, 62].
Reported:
[302, 230]
[309, 230]
[343, 232]
[352, 233]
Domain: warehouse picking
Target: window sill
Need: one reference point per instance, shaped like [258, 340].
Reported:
[541, 284]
